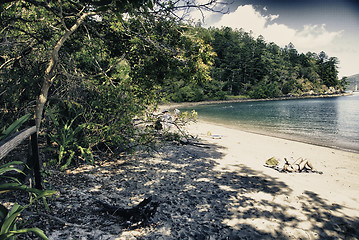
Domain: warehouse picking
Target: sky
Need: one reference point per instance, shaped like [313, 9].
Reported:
[331, 26]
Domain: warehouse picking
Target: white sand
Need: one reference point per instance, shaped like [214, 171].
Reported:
[215, 189]
[299, 204]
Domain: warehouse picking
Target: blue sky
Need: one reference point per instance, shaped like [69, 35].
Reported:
[331, 26]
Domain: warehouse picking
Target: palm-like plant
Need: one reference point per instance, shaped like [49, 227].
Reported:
[10, 217]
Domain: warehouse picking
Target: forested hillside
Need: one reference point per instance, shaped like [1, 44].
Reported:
[257, 69]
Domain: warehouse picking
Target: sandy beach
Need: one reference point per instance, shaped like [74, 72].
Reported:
[216, 188]
[297, 205]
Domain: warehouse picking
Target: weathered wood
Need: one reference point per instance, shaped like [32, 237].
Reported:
[11, 142]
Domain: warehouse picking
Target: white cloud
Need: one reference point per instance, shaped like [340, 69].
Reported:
[308, 39]
[273, 17]
[244, 17]
[313, 38]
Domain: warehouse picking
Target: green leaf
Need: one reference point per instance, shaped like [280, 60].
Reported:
[14, 127]
[10, 219]
[79, 128]
[17, 186]
[87, 154]
[3, 212]
[53, 118]
[9, 167]
[36, 231]
[12, 163]
[69, 159]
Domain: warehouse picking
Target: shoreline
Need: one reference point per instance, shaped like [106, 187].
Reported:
[254, 130]
[283, 136]
[172, 105]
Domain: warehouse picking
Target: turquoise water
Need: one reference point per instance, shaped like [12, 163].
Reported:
[332, 122]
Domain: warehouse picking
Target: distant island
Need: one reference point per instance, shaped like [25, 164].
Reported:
[353, 82]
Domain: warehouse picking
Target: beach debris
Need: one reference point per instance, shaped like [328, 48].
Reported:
[272, 161]
[216, 136]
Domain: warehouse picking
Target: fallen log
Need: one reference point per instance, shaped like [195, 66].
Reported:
[131, 217]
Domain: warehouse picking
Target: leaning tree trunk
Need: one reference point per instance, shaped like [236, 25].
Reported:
[50, 70]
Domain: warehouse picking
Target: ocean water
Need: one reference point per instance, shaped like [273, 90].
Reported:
[331, 122]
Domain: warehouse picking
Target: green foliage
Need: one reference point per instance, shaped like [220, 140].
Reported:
[181, 91]
[110, 70]
[247, 66]
[9, 218]
[9, 167]
[67, 139]
[186, 117]
[13, 127]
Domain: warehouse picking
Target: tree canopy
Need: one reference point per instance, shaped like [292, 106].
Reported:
[95, 65]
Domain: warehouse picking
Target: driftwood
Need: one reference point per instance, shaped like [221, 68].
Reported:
[132, 217]
[8, 144]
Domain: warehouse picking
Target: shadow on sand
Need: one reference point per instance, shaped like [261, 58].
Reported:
[197, 200]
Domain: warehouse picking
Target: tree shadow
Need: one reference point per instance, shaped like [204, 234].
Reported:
[199, 201]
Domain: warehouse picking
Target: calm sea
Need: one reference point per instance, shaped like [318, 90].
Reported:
[332, 122]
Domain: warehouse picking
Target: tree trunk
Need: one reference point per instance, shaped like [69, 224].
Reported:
[50, 70]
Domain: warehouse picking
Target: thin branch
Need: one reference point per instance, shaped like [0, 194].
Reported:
[27, 33]
[62, 16]
[158, 46]
[9, 61]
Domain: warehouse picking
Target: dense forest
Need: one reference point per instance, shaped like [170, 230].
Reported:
[248, 67]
